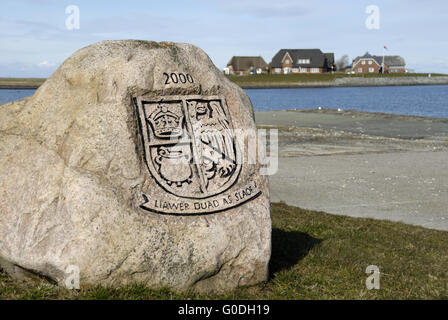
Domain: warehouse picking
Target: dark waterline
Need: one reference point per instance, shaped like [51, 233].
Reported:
[430, 101]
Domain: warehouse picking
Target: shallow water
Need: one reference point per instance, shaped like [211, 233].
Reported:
[431, 101]
[7, 95]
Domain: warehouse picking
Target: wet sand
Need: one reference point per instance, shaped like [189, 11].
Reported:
[362, 164]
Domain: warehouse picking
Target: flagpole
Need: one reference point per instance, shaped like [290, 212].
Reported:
[382, 66]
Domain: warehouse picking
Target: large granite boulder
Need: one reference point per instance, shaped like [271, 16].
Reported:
[125, 164]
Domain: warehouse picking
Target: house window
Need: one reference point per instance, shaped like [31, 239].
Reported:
[303, 61]
[287, 61]
[371, 69]
[363, 62]
[359, 70]
[314, 70]
[295, 70]
[303, 69]
[277, 70]
[370, 61]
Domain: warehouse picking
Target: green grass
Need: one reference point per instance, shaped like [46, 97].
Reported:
[291, 79]
[283, 78]
[315, 256]
[19, 83]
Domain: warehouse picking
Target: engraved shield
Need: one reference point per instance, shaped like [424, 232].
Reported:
[189, 144]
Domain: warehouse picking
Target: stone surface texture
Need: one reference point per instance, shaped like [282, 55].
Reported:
[73, 175]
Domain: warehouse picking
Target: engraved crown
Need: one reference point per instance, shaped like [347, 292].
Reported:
[166, 123]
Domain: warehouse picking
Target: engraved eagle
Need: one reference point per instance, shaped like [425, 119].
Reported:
[218, 151]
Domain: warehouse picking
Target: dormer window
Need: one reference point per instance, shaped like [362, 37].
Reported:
[303, 61]
[287, 61]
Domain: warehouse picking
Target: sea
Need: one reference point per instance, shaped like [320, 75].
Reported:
[429, 101]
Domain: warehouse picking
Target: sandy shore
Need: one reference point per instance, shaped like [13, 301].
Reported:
[362, 164]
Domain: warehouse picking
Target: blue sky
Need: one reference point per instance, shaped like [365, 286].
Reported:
[34, 40]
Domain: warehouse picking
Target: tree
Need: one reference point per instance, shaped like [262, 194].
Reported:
[342, 62]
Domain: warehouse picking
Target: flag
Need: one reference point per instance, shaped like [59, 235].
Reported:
[385, 48]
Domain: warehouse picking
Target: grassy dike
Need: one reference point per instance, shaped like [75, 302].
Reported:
[271, 80]
[335, 79]
[315, 256]
[21, 83]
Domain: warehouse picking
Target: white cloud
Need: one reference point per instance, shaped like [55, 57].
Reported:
[46, 64]
[24, 70]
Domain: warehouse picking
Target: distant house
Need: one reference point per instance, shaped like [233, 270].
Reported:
[302, 61]
[372, 64]
[246, 65]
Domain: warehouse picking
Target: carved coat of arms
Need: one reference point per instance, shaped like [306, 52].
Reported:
[189, 144]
